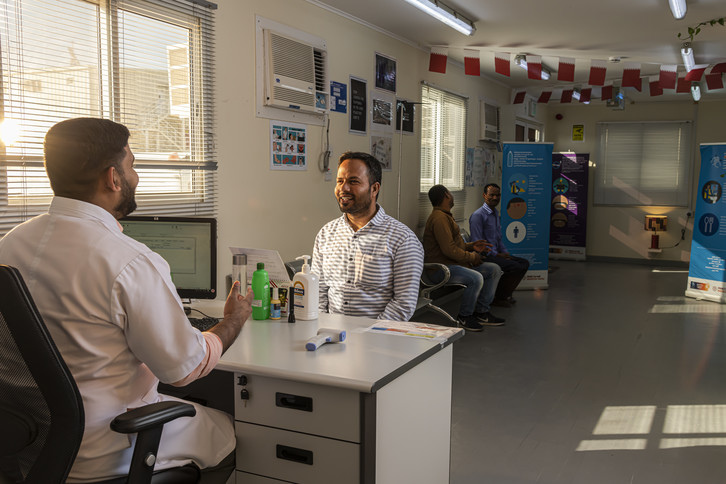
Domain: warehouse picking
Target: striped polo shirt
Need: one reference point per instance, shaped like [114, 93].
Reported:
[374, 272]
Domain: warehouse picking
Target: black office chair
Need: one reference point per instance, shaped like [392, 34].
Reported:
[41, 410]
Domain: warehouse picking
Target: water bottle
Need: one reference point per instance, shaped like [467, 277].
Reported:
[261, 290]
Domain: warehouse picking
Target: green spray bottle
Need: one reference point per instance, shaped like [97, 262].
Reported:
[261, 290]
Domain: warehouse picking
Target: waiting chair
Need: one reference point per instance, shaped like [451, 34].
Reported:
[41, 410]
[432, 294]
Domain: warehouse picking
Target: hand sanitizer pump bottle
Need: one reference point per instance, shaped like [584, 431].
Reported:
[306, 292]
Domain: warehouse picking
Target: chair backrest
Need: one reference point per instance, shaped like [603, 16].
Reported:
[41, 411]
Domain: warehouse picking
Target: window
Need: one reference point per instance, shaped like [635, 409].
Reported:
[143, 63]
[643, 164]
[443, 146]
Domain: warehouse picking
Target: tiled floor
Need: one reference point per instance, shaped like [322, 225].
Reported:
[609, 376]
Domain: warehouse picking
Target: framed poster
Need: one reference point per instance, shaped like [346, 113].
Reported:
[408, 110]
[385, 73]
[381, 149]
[288, 146]
[358, 106]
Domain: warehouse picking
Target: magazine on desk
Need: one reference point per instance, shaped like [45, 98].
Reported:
[413, 329]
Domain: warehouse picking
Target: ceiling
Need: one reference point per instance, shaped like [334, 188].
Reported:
[642, 31]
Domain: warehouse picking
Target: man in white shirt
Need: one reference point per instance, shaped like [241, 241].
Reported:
[112, 309]
[369, 263]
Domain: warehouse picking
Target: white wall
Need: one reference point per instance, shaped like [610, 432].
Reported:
[618, 231]
[284, 210]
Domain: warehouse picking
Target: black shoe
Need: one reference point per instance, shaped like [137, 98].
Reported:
[488, 319]
[511, 300]
[470, 323]
[502, 303]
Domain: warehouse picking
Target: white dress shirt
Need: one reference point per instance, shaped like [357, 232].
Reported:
[112, 310]
[374, 272]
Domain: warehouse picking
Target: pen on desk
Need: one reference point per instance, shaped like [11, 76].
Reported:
[291, 305]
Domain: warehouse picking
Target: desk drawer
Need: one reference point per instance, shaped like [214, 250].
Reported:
[295, 457]
[246, 478]
[303, 407]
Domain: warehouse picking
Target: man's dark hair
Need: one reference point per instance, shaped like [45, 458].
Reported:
[437, 193]
[486, 188]
[373, 165]
[78, 150]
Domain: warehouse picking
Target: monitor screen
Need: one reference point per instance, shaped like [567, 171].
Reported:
[188, 244]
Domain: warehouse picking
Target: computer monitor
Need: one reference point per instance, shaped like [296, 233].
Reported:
[188, 244]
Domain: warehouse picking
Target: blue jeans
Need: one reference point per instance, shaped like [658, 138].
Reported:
[481, 284]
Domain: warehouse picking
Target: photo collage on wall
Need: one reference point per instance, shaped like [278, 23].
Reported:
[289, 148]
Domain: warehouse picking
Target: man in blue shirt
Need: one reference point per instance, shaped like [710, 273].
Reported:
[484, 224]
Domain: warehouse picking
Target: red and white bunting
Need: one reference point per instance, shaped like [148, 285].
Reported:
[695, 74]
[438, 58]
[655, 88]
[714, 81]
[719, 68]
[631, 75]
[683, 85]
[519, 97]
[668, 76]
[502, 63]
[598, 70]
[472, 64]
[534, 67]
[544, 97]
[606, 92]
[566, 72]
[585, 95]
[566, 96]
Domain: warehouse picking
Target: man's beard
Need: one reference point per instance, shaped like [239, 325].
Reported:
[128, 199]
[357, 204]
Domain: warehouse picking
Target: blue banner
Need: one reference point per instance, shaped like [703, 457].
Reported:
[568, 205]
[707, 270]
[525, 206]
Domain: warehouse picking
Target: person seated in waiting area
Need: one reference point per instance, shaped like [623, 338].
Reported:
[369, 263]
[443, 244]
[110, 305]
[484, 223]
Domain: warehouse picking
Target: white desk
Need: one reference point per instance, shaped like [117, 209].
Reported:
[376, 408]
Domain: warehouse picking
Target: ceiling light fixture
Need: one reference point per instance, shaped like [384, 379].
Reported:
[445, 14]
[521, 61]
[687, 54]
[678, 7]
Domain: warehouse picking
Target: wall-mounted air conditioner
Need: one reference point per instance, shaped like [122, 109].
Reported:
[488, 121]
[295, 74]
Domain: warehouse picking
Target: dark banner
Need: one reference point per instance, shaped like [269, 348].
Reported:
[568, 208]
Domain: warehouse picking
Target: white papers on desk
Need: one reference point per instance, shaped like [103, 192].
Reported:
[273, 265]
[413, 329]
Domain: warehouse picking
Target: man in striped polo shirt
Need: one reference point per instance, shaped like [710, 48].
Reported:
[369, 263]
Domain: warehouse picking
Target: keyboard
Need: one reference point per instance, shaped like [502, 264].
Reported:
[203, 324]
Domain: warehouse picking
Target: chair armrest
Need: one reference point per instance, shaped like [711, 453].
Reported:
[429, 287]
[149, 416]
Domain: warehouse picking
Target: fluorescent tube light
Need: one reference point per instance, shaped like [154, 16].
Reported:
[445, 14]
[687, 54]
[576, 95]
[521, 61]
[696, 92]
[678, 7]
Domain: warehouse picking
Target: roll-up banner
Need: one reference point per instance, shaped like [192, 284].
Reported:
[568, 205]
[707, 270]
[525, 207]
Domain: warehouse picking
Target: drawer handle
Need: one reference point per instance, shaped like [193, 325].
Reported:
[293, 454]
[295, 402]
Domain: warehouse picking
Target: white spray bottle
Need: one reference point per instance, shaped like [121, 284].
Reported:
[306, 292]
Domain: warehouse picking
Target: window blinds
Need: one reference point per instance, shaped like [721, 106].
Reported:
[145, 64]
[443, 147]
[643, 164]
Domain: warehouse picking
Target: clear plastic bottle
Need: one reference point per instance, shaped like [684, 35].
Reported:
[261, 290]
[239, 271]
